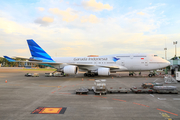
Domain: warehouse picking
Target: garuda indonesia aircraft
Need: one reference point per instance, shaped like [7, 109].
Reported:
[101, 65]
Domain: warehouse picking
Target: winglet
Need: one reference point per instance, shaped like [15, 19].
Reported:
[37, 52]
[9, 59]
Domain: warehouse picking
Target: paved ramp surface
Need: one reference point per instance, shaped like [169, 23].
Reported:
[21, 96]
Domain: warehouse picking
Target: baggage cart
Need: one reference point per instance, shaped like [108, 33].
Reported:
[32, 75]
[28, 75]
[151, 84]
[100, 87]
[82, 90]
[141, 90]
[166, 89]
[118, 90]
[35, 75]
[48, 74]
[58, 75]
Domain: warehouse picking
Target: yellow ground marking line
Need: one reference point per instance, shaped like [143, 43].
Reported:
[166, 116]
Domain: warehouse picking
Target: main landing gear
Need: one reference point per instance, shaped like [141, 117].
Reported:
[132, 73]
[90, 74]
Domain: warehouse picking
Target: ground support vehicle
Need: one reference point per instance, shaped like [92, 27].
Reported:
[100, 87]
[166, 89]
[48, 74]
[151, 84]
[82, 90]
[32, 75]
[54, 75]
[58, 75]
[28, 74]
[117, 90]
[35, 75]
[141, 90]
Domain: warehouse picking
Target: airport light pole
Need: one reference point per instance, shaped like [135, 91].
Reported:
[165, 49]
[175, 43]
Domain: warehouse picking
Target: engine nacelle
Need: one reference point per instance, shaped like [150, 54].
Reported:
[71, 70]
[103, 71]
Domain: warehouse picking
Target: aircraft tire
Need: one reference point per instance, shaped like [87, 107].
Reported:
[92, 75]
[150, 75]
[85, 74]
[130, 74]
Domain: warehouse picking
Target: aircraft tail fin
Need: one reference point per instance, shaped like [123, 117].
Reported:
[37, 52]
[9, 59]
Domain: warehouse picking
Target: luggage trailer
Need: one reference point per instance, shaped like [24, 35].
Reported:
[100, 88]
[155, 88]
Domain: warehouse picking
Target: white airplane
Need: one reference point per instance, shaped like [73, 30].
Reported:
[101, 65]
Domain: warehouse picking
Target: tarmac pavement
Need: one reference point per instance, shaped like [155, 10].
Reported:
[21, 95]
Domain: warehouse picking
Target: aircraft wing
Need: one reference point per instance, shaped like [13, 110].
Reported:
[81, 66]
[86, 65]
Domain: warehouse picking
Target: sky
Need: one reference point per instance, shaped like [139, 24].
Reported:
[90, 27]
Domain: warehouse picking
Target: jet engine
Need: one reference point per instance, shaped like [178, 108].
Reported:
[70, 69]
[103, 71]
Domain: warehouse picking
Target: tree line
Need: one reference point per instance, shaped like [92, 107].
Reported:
[6, 63]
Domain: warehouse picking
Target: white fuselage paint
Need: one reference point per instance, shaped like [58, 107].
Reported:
[127, 62]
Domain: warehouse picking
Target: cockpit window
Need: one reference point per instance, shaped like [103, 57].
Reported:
[155, 55]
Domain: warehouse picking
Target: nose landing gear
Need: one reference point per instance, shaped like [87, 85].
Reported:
[152, 73]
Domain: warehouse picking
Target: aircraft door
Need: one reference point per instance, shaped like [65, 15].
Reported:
[120, 62]
[146, 63]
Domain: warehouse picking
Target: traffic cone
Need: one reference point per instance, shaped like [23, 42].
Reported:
[5, 81]
[112, 77]
[82, 79]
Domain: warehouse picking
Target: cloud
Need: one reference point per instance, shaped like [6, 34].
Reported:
[45, 21]
[96, 6]
[40, 8]
[91, 19]
[126, 32]
[67, 15]
[21, 50]
[11, 27]
[141, 13]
